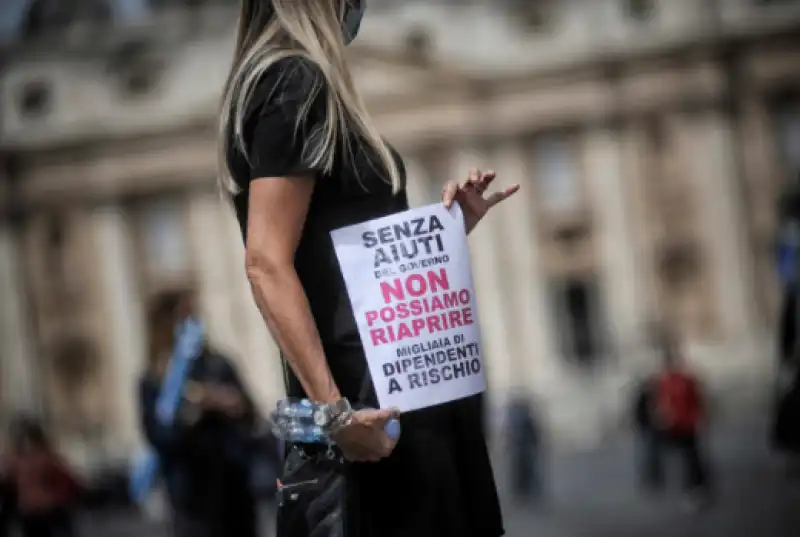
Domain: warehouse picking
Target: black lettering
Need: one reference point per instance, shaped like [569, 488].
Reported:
[439, 243]
[388, 370]
[413, 381]
[402, 230]
[434, 376]
[426, 242]
[394, 386]
[447, 372]
[381, 257]
[418, 223]
[435, 225]
[369, 239]
[412, 246]
[385, 235]
[475, 365]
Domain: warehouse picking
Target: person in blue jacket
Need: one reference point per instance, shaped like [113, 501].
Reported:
[205, 453]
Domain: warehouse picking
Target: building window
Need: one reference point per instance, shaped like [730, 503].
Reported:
[776, 2]
[163, 235]
[556, 173]
[576, 304]
[136, 68]
[534, 15]
[418, 44]
[56, 237]
[35, 99]
[679, 265]
[640, 10]
[787, 121]
[434, 162]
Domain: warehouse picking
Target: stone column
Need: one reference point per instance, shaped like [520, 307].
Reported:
[639, 165]
[18, 373]
[712, 161]
[603, 150]
[494, 315]
[123, 334]
[760, 157]
[207, 237]
[532, 366]
[417, 184]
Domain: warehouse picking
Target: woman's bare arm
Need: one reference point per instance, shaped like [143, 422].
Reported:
[276, 215]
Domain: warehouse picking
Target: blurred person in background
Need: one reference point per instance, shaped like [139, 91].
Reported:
[680, 415]
[8, 503]
[301, 157]
[785, 430]
[205, 454]
[524, 448]
[648, 434]
[46, 489]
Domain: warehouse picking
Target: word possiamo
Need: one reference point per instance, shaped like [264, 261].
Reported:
[416, 304]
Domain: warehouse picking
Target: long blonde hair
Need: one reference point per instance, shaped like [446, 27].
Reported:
[272, 30]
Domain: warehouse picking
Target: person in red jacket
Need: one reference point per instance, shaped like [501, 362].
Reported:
[680, 415]
[45, 487]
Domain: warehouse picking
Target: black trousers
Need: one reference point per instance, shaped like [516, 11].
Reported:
[56, 523]
[657, 444]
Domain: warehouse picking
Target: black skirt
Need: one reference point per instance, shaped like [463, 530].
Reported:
[438, 482]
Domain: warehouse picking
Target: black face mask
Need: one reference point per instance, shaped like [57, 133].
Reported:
[352, 19]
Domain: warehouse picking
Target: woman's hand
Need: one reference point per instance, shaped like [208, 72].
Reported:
[224, 399]
[364, 437]
[470, 196]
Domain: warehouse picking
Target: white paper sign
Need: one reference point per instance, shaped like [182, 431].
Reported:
[410, 284]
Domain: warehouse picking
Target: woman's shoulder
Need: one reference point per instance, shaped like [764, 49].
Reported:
[288, 81]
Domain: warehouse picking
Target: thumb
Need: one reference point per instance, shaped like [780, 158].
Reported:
[382, 416]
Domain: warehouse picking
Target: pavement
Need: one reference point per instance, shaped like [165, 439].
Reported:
[595, 494]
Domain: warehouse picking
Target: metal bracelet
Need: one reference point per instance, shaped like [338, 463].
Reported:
[341, 421]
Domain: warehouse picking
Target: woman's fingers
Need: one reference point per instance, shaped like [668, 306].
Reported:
[478, 180]
[365, 438]
[449, 193]
[486, 180]
[376, 417]
[497, 197]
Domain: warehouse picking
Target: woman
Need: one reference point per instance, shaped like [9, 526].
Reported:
[45, 487]
[204, 455]
[301, 157]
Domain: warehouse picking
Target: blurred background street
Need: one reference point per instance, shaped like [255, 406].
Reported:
[593, 494]
[658, 146]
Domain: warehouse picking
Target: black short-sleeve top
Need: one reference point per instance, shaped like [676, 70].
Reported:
[356, 190]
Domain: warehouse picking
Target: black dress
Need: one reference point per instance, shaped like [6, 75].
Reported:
[438, 482]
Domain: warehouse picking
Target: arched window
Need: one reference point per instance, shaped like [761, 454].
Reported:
[556, 171]
[163, 239]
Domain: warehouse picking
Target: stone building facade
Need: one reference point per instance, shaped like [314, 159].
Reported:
[651, 139]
